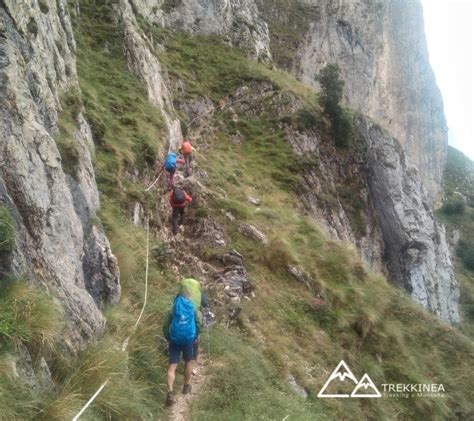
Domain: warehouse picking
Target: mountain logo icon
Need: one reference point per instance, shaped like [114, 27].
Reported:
[342, 373]
[365, 388]
[343, 378]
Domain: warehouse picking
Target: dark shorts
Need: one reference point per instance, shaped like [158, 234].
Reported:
[176, 350]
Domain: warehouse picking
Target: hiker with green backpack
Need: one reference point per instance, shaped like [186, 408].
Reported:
[181, 328]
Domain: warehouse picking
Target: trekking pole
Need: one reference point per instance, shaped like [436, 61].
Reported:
[154, 182]
[208, 336]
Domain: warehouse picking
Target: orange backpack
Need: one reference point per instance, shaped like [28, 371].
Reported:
[186, 148]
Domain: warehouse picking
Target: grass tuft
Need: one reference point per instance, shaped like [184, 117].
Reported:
[7, 231]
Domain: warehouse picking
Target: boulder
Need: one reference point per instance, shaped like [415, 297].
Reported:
[253, 233]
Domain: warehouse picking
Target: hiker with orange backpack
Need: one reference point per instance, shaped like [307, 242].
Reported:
[187, 150]
[170, 164]
[179, 199]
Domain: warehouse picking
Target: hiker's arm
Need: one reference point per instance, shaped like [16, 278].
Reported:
[199, 320]
[180, 160]
[166, 325]
[204, 300]
[187, 197]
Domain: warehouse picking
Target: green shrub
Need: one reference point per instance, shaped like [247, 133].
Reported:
[342, 126]
[72, 102]
[307, 120]
[454, 207]
[69, 154]
[332, 87]
[465, 251]
[7, 231]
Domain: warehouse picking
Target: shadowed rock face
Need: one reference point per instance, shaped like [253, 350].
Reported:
[416, 250]
[57, 244]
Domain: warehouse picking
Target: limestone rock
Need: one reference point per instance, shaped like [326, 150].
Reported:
[296, 388]
[234, 278]
[236, 21]
[253, 233]
[416, 249]
[145, 65]
[381, 49]
[209, 233]
[52, 210]
[254, 200]
[300, 275]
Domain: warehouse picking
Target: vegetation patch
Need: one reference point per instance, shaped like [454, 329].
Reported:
[7, 231]
[289, 22]
[32, 320]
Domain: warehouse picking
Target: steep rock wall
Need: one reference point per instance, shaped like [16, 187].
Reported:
[58, 245]
[381, 49]
[143, 63]
[236, 21]
[416, 250]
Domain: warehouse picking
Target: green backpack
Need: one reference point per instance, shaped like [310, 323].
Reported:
[191, 289]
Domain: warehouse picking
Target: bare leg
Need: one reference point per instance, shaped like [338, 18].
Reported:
[188, 372]
[171, 375]
[176, 218]
[187, 165]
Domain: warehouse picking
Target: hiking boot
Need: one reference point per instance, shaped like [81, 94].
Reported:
[169, 399]
[186, 389]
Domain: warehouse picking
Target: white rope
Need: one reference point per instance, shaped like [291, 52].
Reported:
[146, 270]
[90, 401]
[154, 182]
[125, 343]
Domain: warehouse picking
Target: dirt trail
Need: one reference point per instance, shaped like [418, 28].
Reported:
[180, 410]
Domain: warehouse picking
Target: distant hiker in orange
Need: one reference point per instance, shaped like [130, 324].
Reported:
[179, 199]
[169, 166]
[187, 150]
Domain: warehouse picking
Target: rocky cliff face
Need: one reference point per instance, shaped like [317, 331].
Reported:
[59, 244]
[381, 49]
[372, 197]
[237, 22]
[416, 250]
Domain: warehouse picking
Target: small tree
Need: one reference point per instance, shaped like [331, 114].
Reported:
[331, 95]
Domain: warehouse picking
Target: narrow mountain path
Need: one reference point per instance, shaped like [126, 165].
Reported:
[180, 411]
